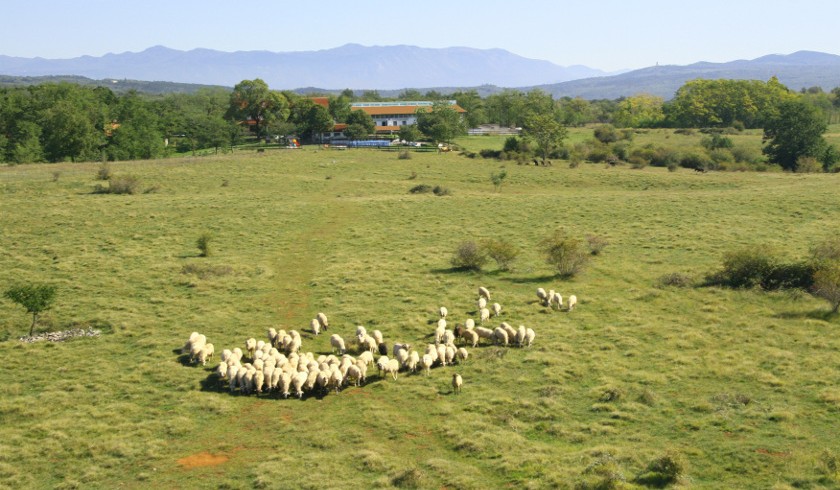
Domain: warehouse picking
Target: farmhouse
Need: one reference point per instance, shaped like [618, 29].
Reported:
[388, 116]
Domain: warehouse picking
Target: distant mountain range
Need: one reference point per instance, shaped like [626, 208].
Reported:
[390, 69]
[802, 69]
[350, 66]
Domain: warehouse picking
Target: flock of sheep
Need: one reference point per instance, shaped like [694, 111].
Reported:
[278, 364]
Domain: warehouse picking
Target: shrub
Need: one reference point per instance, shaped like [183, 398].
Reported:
[606, 133]
[596, 244]
[469, 256]
[565, 254]
[124, 184]
[36, 298]
[599, 155]
[441, 191]
[808, 165]
[513, 145]
[420, 189]
[685, 131]
[56, 175]
[745, 268]
[715, 142]
[797, 275]
[203, 244]
[490, 153]
[721, 156]
[696, 161]
[501, 251]
[404, 155]
[675, 279]
[745, 155]
[104, 172]
[662, 471]
[827, 286]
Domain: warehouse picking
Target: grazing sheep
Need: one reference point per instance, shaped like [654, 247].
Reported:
[311, 379]
[322, 319]
[337, 343]
[188, 345]
[484, 293]
[413, 361]
[469, 324]
[366, 357]
[392, 367]
[431, 350]
[382, 348]
[555, 299]
[439, 330]
[298, 380]
[510, 331]
[276, 376]
[233, 371]
[354, 375]
[485, 315]
[196, 346]
[246, 384]
[221, 370]
[206, 353]
[361, 333]
[481, 303]
[441, 354]
[323, 380]
[450, 353]
[377, 336]
[519, 338]
[457, 382]
[259, 381]
[572, 302]
[462, 354]
[500, 336]
[529, 337]
[368, 344]
[443, 312]
[226, 354]
[272, 335]
[471, 337]
[448, 337]
[315, 326]
[543, 296]
[398, 347]
[426, 361]
[285, 383]
[484, 333]
[497, 309]
[382, 364]
[363, 368]
[251, 347]
[402, 357]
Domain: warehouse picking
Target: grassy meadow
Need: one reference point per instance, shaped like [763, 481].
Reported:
[741, 387]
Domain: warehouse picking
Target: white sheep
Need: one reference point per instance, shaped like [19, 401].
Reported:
[366, 357]
[413, 361]
[363, 368]
[431, 350]
[543, 296]
[368, 344]
[572, 302]
[448, 337]
[382, 364]
[555, 299]
[311, 379]
[206, 353]
[315, 326]
[259, 381]
[481, 303]
[361, 333]
[221, 370]
[246, 383]
[337, 343]
[497, 309]
[510, 331]
[450, 353]
[469, 324]
[443, 312]
[272, 335]
[457, 382]
[402, 357]
[441, 354]
[529, 337]
[322, 319]
[462, 354]
[426, 361]
[484, 333]
[485, 315]
[196, 346]
[470, 336]
[392, 367]
[251, 347]
[441, 328]
[188, 345]
[298, 380]
[377, 336]
[354, 375]
[285, 383]
[484, 293]
[500, 336]
[400, 346]
[276, 376]
[233, 372]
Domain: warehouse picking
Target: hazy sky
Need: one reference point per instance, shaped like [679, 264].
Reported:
[605, 34]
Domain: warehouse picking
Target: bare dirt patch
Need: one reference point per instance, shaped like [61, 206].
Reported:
[202, 459]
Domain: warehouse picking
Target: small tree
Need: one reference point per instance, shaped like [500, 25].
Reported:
[35, 298]
[502, 251]
[203, 244]
[469, 256]
[567, 255]
[498, 179]
[827, 285]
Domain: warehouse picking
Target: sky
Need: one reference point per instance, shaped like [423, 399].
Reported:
[609, 35]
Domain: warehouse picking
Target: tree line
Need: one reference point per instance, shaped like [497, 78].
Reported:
[55, 122]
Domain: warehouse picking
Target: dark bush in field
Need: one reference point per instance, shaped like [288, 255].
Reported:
[420, 189]
[675, 279]
[501, 251]
[486, 153]
[568, 256]
[469, 256]
[123, 184]
[745, 268]
[663, 471]
[441, 191]
[104, 172]
[606, 133]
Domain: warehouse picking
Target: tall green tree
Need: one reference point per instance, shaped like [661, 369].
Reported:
[720, 103]
[359, 125]
[795, 131]
[546, 131]
[471, 102]
[640, 111]
[442, 123]
[252, 100]
[36, 298]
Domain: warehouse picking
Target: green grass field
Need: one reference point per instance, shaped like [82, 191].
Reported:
[741, 386]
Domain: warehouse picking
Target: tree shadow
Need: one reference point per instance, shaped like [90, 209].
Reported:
[454, 270]
[825, 315]
[531, 279]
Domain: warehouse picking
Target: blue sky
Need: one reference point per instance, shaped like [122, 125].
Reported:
[605, 34]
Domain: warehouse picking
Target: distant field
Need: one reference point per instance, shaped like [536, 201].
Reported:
[741, 386]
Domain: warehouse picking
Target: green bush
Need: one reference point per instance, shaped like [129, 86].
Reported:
[596, 244]
[203, 244]
[404, 155]
[501, 251]
[697, 161]
[675, 279]
[421, 189]
[486, 153]
[662, 471]
[745, 268]
[606, 133]
[469, 256]
[568, 256]
[104, 172]
[808, 165]
[123, 184]
[441, 191]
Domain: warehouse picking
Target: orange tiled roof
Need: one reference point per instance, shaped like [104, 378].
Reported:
[401, 109]
[322, 101]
